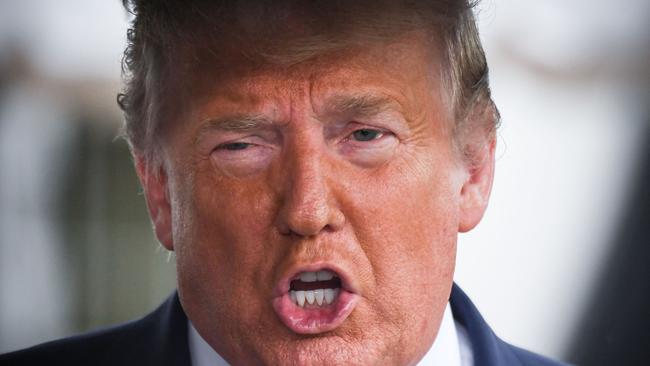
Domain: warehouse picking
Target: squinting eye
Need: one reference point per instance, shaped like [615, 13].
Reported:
[234, 146]
[367, 134]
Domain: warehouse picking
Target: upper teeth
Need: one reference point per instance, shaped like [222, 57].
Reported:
[323, 275]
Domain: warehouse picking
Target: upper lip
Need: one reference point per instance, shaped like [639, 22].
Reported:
[347, 282]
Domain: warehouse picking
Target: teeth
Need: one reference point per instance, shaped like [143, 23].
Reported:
[328, 293]
[300, 297]
[309, 295]
[319, 296]
[324, 275]
[308, 277]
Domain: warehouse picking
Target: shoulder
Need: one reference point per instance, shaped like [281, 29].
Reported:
[158, 338]
[96, 348]
[487, 348]
[528, 358]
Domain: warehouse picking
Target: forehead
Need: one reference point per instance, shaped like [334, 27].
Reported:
[395, 68]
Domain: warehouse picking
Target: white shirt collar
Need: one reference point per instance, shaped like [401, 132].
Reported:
[451, 347]
[200, 351]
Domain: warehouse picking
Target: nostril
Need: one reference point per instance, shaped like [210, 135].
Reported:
[284, 230]
[306, 223]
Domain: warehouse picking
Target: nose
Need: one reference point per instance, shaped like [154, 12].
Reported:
[308, 204]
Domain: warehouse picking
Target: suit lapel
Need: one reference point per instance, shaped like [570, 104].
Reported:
[169, 345]
[487, 348]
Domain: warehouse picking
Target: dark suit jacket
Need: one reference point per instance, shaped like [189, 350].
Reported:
[160, 339]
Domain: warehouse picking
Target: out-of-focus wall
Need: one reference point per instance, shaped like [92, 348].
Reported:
[571, 81]
[76, 249]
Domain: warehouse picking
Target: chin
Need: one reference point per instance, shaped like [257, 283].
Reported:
[326, 350]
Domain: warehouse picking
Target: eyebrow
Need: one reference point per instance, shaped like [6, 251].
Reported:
[235, 123]
[361, 105]
[239, 123]
[357, 105]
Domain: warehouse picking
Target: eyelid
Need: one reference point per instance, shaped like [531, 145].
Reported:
[251, 139]
[383, 131]
[224, 146]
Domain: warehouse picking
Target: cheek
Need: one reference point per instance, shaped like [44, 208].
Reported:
[407, 228]
[229, 226]
[221, 251]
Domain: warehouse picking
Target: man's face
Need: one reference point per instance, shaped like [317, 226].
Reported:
[276, 180]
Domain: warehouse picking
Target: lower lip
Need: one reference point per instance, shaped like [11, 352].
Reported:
[314, 320]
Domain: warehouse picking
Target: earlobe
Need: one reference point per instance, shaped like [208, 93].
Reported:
[475, 192]
[154, 183]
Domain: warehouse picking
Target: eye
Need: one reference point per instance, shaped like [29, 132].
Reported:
[234, 146]
[367, 134]
[368, 146]
[243, 157]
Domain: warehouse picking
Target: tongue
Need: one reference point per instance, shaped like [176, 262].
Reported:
[298, 285]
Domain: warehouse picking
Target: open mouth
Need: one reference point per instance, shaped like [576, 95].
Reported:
[314, 301]
[315, 289]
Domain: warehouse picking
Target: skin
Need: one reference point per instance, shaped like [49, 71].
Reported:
[377, 191]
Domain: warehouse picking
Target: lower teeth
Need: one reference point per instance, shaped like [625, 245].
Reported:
[319, 297]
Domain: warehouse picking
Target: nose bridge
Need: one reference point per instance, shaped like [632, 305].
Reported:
[308, 205]
[309, 189]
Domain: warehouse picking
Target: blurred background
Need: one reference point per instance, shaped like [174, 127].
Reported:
[560, 264]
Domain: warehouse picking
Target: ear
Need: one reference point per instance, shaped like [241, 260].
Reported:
[475, 193]
[154, 183]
